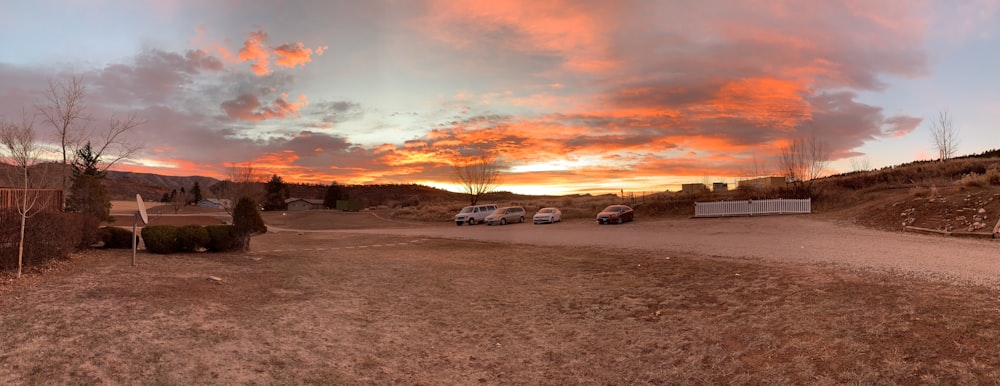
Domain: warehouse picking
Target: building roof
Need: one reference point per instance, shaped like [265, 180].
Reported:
[312, 201]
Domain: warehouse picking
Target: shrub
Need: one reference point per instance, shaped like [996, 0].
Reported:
[919, 191]
[160, 238]
[973, 180]
[192, 238]
[88, 227]
[117, 238]
[222, 238]
[247, 222]
[49, 235]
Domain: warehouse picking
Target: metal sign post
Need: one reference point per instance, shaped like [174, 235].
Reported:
[139, 214]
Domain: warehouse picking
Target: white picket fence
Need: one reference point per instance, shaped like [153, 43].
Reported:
[752, 207]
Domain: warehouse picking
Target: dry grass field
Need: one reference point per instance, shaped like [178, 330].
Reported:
[343, 308]
[334, 307]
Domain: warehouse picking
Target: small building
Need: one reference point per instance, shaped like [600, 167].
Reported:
[296, 204]
[720, 187]
[764, 182]
[693, 188]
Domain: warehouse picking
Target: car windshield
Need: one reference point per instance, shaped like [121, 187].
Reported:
[545, 211]
[467, 209]
[613, 209]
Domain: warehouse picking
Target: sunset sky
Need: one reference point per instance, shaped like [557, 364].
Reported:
[573, 96]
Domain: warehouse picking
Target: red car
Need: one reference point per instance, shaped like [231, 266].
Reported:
[615, 214]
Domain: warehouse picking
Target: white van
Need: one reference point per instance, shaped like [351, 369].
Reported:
[475, 214]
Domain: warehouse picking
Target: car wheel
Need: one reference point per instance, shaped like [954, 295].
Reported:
[503, 221]
[620, 220]
[520, 219]
[472, 221]
[459, 223]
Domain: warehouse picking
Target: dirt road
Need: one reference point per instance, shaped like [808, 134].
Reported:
[793, 239]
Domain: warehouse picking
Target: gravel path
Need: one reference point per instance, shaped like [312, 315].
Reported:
[792, 239]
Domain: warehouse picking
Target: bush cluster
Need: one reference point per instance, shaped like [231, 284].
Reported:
[166, 239]
[191, 238]
[990, 176]
[160, 238]
[222, 238]
[116, 238]
[50, 235]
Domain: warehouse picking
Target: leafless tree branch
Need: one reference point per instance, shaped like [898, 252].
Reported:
[243, 181]
[114, 145]
[804, 160]
[65, 111]
[945, 136]
[22, 151]
[478, 177]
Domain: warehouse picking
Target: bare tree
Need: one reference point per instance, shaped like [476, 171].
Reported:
[945, 136]
[113, 145]
[243, 181]
[65, 111]
[23, 152]
[804, 160]
[860, 164]
[478, 177]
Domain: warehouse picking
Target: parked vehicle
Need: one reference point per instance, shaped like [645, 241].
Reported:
[547, 216]
[506, 215]
[615, 214]
[474, 214]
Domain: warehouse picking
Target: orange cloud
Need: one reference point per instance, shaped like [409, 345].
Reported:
[291, 55]
[255, 50]
[767, 102]
[578, 33]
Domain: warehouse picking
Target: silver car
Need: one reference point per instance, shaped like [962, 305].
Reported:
[547, 216]
[506, 215]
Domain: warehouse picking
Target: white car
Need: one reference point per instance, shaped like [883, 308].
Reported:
[547, 216]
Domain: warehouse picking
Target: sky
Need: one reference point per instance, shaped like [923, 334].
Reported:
[569, 96]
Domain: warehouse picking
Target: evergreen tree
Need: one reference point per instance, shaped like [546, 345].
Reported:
[87, 194]
[277, 191]
[196, 193]
[247, 221]
[333, 193]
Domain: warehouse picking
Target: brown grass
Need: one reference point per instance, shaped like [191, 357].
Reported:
[352, 309]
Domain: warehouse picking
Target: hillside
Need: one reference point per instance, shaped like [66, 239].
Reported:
[960, 194]
[124, 185]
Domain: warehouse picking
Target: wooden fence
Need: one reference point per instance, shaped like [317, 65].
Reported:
[45, 199]
[752, 207]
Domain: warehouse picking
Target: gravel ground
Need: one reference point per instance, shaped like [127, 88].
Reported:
[791, 239]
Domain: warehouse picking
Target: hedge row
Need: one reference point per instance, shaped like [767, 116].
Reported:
[188, 238]
[50, 235]
[115, 237]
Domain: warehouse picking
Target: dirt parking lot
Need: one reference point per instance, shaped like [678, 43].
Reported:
[789, 239]
[649, 302]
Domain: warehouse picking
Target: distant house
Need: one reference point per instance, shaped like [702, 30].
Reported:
[720, 187]
[764, 182]
[295, 204]
[693, 188]
[215, 203]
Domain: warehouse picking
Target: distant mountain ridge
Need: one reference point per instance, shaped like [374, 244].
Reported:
[124, 185]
